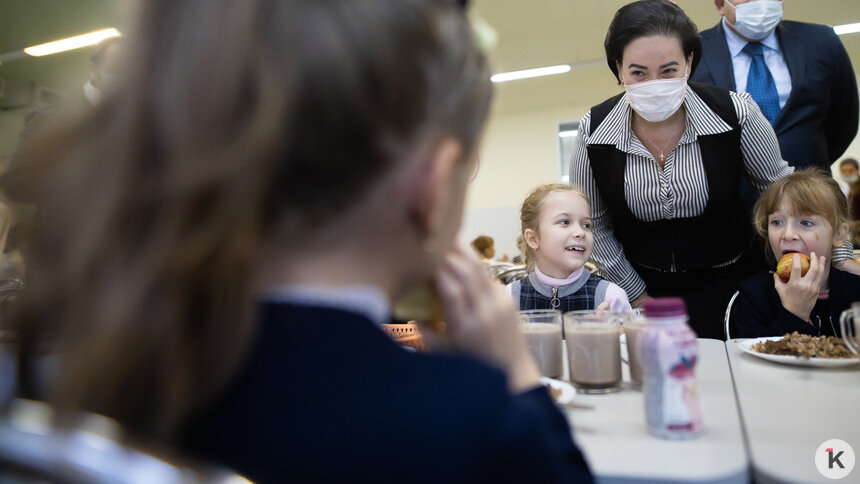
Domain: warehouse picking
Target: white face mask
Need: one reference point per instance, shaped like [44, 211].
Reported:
[656, 100]
[850, 179]
[756, 20]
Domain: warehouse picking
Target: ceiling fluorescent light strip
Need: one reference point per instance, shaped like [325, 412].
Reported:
[76, 42]
[847, 29]
[529, 73]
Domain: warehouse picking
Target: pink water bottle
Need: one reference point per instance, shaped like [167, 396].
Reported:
[668, 351]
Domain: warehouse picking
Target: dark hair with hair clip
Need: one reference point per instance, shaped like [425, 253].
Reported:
[647, 18]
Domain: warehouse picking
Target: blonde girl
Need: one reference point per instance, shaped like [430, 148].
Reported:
[555, 220]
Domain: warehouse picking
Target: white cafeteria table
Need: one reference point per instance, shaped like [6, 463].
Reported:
[789, 411]
[619, 449]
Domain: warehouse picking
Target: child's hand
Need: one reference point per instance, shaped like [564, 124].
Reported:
[481, 319]
[799, 294]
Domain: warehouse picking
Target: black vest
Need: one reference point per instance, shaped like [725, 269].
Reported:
[720, 232]
[583, 298]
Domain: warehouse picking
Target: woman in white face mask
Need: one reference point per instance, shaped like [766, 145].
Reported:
[661, 162]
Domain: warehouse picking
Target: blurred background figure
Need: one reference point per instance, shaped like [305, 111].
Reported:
[104, 66]
[849, 182]
[848, 174]
[11, 260]
[519, 258]
[484, 247]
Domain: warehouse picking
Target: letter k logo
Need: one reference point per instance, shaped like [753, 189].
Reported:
[834, 459]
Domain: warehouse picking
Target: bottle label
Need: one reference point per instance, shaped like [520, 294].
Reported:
[672, 402]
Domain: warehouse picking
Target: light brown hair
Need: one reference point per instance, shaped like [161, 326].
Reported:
[810, 192]
[482, 243]
[530, 214]
[231, 119]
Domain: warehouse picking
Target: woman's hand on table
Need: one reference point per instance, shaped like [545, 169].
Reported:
[799, 294]
[481, 319]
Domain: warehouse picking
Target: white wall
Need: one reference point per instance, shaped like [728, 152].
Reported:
[520, 151]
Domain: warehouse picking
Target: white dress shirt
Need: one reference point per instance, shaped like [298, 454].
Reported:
[772, 57]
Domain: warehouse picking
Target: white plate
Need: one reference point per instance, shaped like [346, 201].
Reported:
[567, 390]
[746, 346]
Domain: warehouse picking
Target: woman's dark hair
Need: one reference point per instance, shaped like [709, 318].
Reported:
[232, 120]
[646, 18]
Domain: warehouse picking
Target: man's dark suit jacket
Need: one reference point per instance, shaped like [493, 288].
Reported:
[820, 118]
[326, 396]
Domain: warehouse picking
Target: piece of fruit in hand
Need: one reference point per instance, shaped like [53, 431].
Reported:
[783, 267]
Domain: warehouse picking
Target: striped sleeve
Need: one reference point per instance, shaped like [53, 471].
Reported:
[846, 252]
[607, 251]
[763, 161]
[762, 157]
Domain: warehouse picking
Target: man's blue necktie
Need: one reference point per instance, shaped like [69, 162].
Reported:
[760, 83]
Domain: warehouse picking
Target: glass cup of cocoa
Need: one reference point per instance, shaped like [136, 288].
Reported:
[593, 350]
[542, 331]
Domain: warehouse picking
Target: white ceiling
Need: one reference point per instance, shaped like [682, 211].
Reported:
[532, 33]
[536, 33]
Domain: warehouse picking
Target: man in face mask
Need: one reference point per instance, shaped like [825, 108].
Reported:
[798, 73]
[848, 174]
[103, 66]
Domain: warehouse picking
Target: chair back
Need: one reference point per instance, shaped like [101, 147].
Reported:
[512, 274]
[10, 290]
[727, 320]
[33, 449]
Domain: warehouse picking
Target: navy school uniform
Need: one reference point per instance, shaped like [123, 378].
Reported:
[326, 396]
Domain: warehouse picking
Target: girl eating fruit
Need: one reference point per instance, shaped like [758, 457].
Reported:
[803, 215]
